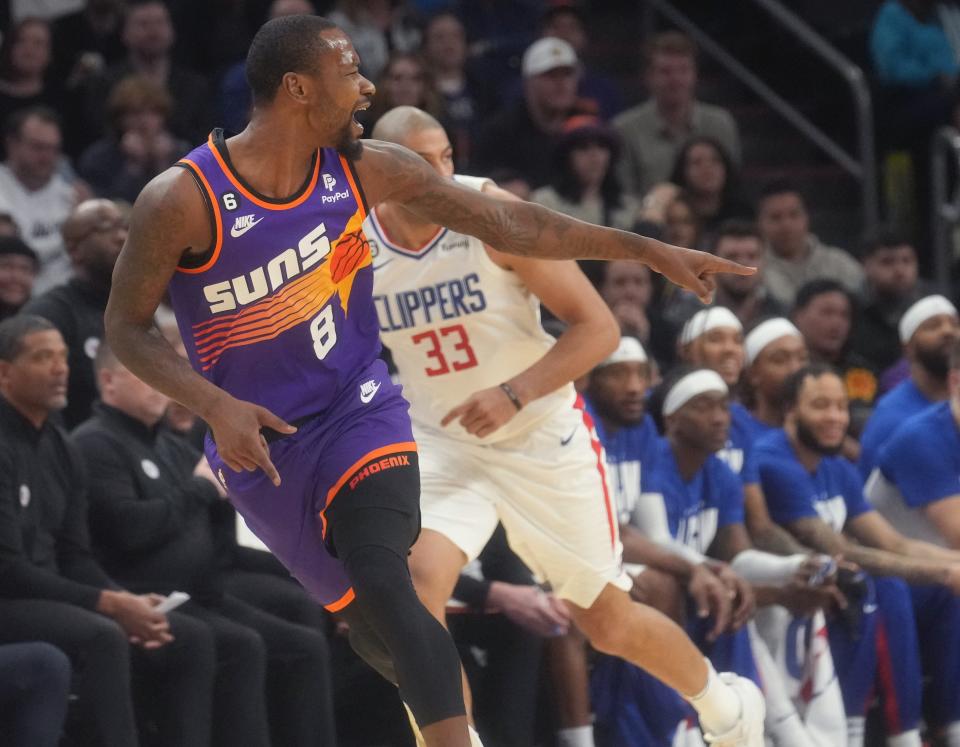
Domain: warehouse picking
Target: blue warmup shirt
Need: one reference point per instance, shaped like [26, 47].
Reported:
[629, 451]
[695, 510]
[738, 451]
[833, 492]
[918, 465]
[902, 402]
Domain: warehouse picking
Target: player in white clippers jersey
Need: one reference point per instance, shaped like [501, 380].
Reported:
[504, 437]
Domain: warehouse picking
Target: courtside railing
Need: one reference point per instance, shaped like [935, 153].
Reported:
[861, 164]
[945, 167]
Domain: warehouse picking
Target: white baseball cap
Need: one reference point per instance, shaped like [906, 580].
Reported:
[547, 54]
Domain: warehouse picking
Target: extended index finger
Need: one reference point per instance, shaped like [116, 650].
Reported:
[261, 455]
[454, 414]
[719, 264]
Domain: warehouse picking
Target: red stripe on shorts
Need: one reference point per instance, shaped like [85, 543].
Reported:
[598, 450]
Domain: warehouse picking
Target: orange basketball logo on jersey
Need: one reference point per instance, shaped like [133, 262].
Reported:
[350, 251]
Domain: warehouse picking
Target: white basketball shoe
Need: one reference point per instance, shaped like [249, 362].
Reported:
[748, 731]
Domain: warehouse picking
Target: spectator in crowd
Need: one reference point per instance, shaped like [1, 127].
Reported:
[86, 41]
[794, 255]
[818, 496]
[94, 234]
[654, 131]
[138, 147]
[928, 329]
[616, 400]
[916, 69]
[52, 589]
[628, 291]
[151, 500]
[914, 482]
[39, 197]
[24, 68]
[774, 349]
[356, 18]
[892, 285]
[149, 36]
[465, 98]
[34, 687]
[708, 178]
[18, 271]
[713, 339]
[694, 506]
[681, 226]
[585, 184]
[745, 295]
[524, 136]
[915, 487]
[406, 81]
[233, 91]
[567, 21]
[823, 312]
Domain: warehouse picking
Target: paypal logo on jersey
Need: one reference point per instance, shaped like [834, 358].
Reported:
[447, 300]
[329, 182]
[326, 199]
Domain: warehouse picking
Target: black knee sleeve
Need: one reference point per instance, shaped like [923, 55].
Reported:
[367, 644]
[373, 521]
[424, 658]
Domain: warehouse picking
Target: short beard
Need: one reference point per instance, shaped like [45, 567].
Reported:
[613, 414]
[348, 147]
[737, 294]
[806, 436]
[935, 362]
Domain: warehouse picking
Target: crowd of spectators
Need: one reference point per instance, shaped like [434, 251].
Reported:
[793, 446]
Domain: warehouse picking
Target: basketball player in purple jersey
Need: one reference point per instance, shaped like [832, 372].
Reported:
[258, 239]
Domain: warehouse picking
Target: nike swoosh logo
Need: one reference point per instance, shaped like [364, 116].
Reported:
[237, 234]
[365, 398]
[567, 440]
[870, 608]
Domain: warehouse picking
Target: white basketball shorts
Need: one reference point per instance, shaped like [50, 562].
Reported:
[548, 487]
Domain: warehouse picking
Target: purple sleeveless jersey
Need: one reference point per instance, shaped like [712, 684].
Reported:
[279, 311]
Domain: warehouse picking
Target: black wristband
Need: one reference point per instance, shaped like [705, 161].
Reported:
[508, 390]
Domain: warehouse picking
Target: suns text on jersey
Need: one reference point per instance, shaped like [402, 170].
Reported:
[227, 295]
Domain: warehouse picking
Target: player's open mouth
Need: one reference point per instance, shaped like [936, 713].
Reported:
[361, 108]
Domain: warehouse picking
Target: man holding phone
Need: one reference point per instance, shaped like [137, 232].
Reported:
[156, 518]
[52, 588]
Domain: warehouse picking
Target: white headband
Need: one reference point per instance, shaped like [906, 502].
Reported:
[628, 351]
[765, 333]
[705, 320]
[922, 310]
[690, 386]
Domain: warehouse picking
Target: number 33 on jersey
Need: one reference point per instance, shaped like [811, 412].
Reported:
[456, 323]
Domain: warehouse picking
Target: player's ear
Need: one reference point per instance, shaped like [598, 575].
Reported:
[294, 85]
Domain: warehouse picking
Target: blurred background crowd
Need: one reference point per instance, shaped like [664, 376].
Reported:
[624, 114]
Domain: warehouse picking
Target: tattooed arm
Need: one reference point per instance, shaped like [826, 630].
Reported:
[391, 172]
[817, 534]
[167, 220]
